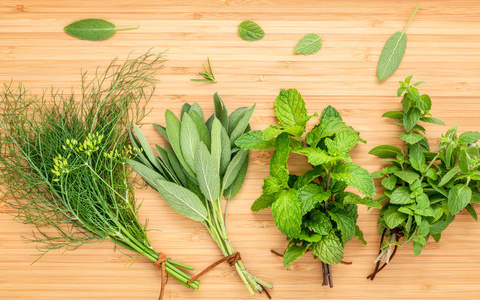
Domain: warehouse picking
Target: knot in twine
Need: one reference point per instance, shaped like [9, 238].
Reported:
[232, 259]
[160, 263]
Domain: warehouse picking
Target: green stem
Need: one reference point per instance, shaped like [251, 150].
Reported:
[429, 166]
[411, 17]
[126, 27]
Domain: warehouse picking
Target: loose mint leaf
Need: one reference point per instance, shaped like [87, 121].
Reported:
[432, 121]
[316, 156]
[408, 176]
[417, 158]
[264, 201]
[393, 217]
[458, 197]
[287, 212]
[394, 114]
[319, 222]
[411, 118]
[309, 44]
[344, 222]
[355, 176]
[290, 108]
[271, 185]
[385, 151]
[293, 252]
[389, 182]
[93, 29]
[468, 137]
[310, 195]
[253, 140]
[278, 163]
[359, 235]
[411, 137]
[329, 249]
[401, 196]
[250, 31]
[343, 142]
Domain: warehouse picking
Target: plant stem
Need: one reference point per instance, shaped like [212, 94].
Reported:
[126, 27]
[411, 17]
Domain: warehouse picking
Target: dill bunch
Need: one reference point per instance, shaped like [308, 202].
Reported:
[63, 160]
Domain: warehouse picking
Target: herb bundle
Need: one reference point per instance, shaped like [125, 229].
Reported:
[425, 189]
[63, 161]
[313, 210]
[198, 168]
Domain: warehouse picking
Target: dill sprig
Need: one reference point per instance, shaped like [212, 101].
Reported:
[208, 75]
[63, 159]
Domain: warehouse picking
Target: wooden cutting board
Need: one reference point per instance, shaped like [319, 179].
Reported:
[443, 50]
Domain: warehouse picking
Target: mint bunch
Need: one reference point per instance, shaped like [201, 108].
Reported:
[425, 189]
[312, 209]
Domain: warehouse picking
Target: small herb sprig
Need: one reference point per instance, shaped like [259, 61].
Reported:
[208, 75]
[425, 189]
[313, 210]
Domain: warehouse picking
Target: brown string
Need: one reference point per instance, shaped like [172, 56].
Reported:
[160, 263]
[231, 259]
[265, 290]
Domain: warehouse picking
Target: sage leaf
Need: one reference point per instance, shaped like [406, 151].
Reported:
[173, 132]
[149, 175]
[234, 168]
[93, 29]
[189, 140]
[182, 200]
[241, 125]
[208, 178]
[393, 52]
[216, 143]
[146, 147]
[309, 44]
[237, 184]
[250, 31]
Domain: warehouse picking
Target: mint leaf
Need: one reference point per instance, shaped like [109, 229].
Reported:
[293, 252]
[344, 222]
[359, 235]
[329, 249]
[287, 212]
[393, 217]
[401, 196]
[311, 194]
[424, 102]
[343, 142]
[316, 156]
[417, 158]
[389, 182]
[253, 140]
[271, 185]
[449, 176]
[309, 44]
[319, 222]
[385, 151]
[264, 201]
[307, 177]
[250, 31]
[290, 108]
[411, 118]
[355, 176]
[326, 128]
[394, 114]
[408, 176]
[458, 197]
[468, 137]
[351, 198]
[432, 121]
[278, 163]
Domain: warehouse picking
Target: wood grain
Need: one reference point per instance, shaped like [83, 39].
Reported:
[443, 50]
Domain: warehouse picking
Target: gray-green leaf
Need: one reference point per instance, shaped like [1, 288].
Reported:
[392, 55]
[309, 44]
[207, 174]
[250, 31]
[93, 29]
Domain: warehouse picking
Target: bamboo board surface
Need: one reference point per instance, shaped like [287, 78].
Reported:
[443, 50]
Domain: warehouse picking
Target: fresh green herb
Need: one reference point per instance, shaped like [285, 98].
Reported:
[393, 52]
[425, 189]
[63, 160]
[250, 31]
[313, 210]
[309, 44]
[198, 168]
[208, 75]
[93, 29]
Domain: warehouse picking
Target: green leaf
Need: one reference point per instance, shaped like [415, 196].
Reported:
[221, 111]
[424, 103]
[216, 143]
[235, 117]
[355, 176]
[93, 29]
[417, 158]
[458, 197]
[189, 140]
[343, 142]
[330, 112]
[411, 137]
[173, 132]
[226, 153]
[290, 108]
[345, 223]
[182, 200]
[316, 156]
[287, 212]
[278, 163]
[264, 201]
[147, 150]
[417, 248]
[393, 217]
[408, 176]
[414, 95]
[242, 125]
[438, 227]
[351, 198]
[207, 175]
[389, 182]
[394, 114]
[411, 118]
[309, 44]
[237, 184]
[422, 202]
[472, 212]
[271, 185]
[176, 165]
[293, 252]
[149, 175]
[392, 55]
[468, 137]
[195, 107]
[311, 194]
[250, 31]
[319, 222]
[307, 177]
[253, 140]
[201, 127]
[401, 196]
[432, 121]
[329, 250]
[385, 151]
[327, 127]
[234, 168]
[359, 235]
[449, 176]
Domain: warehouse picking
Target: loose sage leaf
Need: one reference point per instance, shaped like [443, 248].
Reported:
[207, 174]
[182, 200]
[93, 29]
[293, 252]
[250, 31]
[393, 52]
[309, 44]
